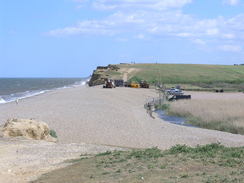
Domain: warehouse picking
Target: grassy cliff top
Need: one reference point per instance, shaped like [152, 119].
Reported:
[185, 73]
[189, 76]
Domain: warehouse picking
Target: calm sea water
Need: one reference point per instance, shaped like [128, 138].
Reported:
[173, 119]
[18, 88]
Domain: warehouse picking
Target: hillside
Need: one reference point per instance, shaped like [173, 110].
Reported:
[192, 76]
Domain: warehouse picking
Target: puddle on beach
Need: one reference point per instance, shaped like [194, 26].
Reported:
[173, 119]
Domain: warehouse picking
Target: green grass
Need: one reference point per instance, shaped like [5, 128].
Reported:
[202, 76]
[187, 73]
[208, 163]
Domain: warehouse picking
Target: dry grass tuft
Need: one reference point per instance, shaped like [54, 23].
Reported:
[223, 112]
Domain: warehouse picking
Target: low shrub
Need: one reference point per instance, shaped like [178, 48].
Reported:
[53, 133]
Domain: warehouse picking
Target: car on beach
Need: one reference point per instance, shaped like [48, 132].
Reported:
[174, 91]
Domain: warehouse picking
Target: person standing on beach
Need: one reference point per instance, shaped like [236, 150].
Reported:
[17, 101]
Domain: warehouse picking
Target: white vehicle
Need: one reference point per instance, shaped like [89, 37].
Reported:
[174, 91]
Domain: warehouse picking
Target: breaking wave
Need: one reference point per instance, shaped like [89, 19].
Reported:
[21, 95]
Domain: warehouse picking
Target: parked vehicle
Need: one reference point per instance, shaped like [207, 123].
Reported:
[135, 85]
[109, 84]
[176, 94]
[119, 83]
[174, 91]
[178, 97]
[144, 84]
[126, 84]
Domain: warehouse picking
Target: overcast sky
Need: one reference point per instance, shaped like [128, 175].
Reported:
[69, 38]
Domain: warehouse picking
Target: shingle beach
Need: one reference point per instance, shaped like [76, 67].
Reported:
[113, 117]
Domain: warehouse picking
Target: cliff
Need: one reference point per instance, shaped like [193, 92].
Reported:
[102, 73]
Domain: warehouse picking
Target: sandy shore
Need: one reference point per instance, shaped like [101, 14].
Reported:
[109, 117]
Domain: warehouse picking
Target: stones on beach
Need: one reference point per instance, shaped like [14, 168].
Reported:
[27, 128]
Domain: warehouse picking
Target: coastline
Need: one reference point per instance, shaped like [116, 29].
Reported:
[107, 118]
[29, 92]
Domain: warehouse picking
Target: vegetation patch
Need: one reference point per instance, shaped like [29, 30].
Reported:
[212, 111]
[53, 133]
[224, 126]
[208, 163]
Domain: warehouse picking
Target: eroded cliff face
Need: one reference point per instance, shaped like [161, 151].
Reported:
[101, 74]
[96, 79]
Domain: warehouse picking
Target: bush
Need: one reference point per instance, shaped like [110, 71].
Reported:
[53, 133]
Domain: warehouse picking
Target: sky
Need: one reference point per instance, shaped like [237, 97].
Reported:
[69, 38]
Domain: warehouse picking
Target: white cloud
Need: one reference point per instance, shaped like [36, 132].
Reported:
[199, 42]
[131, 4]
[140, 36]
[86, 27]
[184, 34]
[212, 32]
[164, 23]
[232, 2]
[230, 48]
[142, 19]
[228, 36]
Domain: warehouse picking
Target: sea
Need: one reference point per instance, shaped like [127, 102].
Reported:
[12, 89]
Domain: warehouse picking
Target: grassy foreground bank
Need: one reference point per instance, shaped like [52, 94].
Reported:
[209, 163]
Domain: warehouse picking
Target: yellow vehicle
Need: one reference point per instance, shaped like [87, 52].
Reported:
[135, 85]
